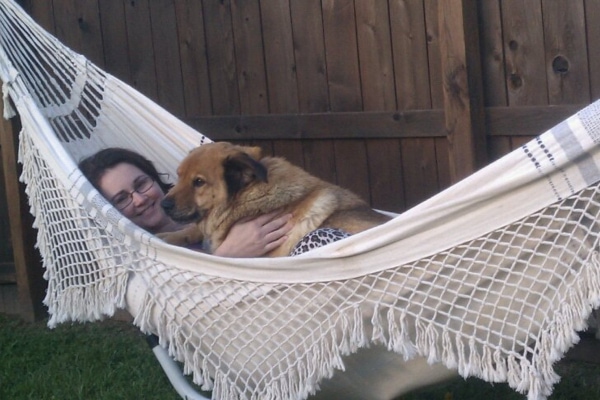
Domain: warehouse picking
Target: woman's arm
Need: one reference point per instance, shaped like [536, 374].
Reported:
[256, 237]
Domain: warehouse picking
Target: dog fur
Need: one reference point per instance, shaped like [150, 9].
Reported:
[221, 183]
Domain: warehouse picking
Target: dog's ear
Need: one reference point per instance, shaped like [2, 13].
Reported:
[241, 170]
[253, 151]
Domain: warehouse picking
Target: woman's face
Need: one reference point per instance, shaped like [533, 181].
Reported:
[119, 183]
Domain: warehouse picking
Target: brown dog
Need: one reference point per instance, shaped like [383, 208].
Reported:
[221, 183]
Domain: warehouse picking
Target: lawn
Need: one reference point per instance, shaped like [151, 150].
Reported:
[111, 360]
[580, 381]
[106, 360]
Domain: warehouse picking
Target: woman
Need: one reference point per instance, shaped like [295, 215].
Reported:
[134, 186]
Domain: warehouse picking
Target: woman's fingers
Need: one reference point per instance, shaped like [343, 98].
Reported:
[265, 219]
[277, 224]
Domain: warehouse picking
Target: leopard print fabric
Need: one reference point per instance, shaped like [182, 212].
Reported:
[317, 238]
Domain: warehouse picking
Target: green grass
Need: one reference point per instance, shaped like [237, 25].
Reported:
[580, 381]
[105, 360]
[111, 360]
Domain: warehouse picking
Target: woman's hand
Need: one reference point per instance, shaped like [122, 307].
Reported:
[256, 237]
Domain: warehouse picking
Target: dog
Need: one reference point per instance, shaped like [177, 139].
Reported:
[220, 183]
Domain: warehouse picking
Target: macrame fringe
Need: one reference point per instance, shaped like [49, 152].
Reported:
[399, 336]
[85, 304]
[535, 376]
[571, 317]
[71, 303]
[300, 382]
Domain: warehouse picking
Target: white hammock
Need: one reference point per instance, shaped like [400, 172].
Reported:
[492, 277]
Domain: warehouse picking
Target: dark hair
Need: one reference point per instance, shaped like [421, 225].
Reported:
[94, 166]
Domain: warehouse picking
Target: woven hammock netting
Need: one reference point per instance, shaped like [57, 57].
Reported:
[491, 278]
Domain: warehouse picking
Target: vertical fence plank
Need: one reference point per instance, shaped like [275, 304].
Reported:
[291, 150]
[166, 53]
[494, 74]
[566, 55]
[319, 160]
[409, 47]
[352, 167]
[592, 11]
[492, 53]
[419, 170]
[416, 170]
[221, 57]
[375, 54]
[279, 53]
[463, 87]
[342, 55]
[78, 25]
[524, 52]
[433, 52]
[527, 83]
[386, 182]
[194, 64]
[249, 57]
[415, 51]
[442, 157]
[114, 38]
[499, 146]
[378, 91]
[309, 51]
[343, 80]
[141, 49]
[42, 12]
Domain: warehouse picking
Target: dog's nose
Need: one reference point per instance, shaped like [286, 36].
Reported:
[167, 204]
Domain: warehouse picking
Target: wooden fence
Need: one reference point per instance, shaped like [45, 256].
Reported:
[393, 99]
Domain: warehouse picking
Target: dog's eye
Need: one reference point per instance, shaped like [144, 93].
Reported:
[198, 182]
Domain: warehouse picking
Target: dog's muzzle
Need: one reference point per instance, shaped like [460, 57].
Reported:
[178, 215]
[168, 205]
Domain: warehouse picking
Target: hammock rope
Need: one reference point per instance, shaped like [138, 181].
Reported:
[492, 277]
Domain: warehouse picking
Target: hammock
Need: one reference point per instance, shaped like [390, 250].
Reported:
[491, 278]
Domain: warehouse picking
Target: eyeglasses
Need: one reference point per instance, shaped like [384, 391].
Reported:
[140, 185]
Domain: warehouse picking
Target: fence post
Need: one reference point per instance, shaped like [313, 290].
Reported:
[462, 86]
[28, 267]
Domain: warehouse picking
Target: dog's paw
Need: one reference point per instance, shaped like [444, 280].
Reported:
[172, 238]
[186, 237]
